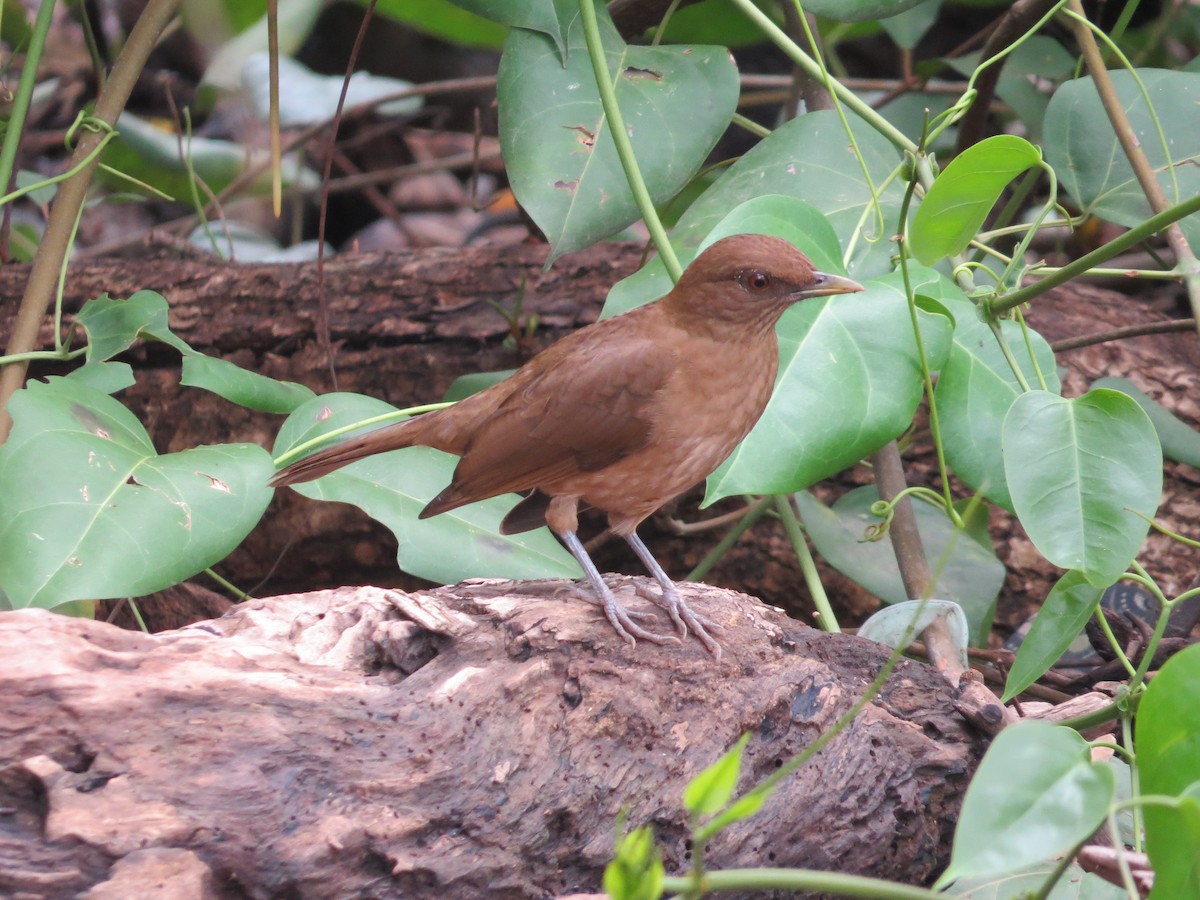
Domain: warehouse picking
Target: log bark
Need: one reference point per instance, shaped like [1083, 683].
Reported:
[472, 741]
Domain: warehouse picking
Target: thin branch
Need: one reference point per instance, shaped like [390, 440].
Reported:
[1146, 176]
[56, 241]
[1128, 331]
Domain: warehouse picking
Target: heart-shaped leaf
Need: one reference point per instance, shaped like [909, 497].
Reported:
[558, 149]
[1084, 151]
[1078, 471]
[89, 510]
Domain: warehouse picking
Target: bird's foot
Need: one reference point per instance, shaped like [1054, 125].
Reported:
[612, 583]
[684, 617]
[623, 620]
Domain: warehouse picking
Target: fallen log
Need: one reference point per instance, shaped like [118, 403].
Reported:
[476, 740]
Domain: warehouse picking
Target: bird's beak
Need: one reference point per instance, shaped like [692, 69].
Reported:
[823, 285]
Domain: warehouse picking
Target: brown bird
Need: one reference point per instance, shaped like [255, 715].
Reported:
[622, 415]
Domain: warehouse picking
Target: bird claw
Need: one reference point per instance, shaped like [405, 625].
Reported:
[590, 596]
[684, 617]
[623, 624]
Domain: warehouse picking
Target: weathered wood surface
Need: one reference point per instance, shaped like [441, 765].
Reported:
[471, 741]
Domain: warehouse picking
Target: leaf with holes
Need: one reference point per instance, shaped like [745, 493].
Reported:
[561, 160]
[89, 509]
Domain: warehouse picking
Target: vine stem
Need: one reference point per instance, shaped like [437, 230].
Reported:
[1135, 235]
[791, 524]
[24, 94]
[56, 242]
[616, 128]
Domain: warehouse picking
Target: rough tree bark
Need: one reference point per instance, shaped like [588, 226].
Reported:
[466, 742]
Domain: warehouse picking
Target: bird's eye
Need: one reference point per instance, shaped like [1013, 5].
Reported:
[757, 281]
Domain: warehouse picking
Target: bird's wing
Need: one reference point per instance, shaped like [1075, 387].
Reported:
[580, 414]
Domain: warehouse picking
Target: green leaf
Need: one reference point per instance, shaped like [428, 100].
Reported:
[811, 158]
[849, 382]
[153, 156]
[1063, 615]
[1078, 471]
[394, 487]
[794, 220]
[459, 23]
[1179, 442]
[900, 624]
[859, 10]
[1082, 148]
[964, 193]
[113, 325]
[237, 385]
[295, 21]
[709, 792]
[1035, 795]
[466, 385]
[636, 872]
[561, 161]
[89, 510]
[908, 27]
[1074, 884]
[718, 22]
[108, 377]
[967, 573]
[1168, 761]
[974, 392]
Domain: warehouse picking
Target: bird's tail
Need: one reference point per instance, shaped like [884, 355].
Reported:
[393, 437]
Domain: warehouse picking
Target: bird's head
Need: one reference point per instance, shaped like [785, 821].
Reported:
[750, 279]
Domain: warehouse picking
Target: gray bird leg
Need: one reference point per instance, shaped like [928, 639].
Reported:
[617, 616]
[670, 600]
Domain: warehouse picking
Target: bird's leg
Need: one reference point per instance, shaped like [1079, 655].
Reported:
[670, 600]
[617, 616]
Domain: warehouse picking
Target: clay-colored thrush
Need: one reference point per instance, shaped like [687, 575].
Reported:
[622, 415]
